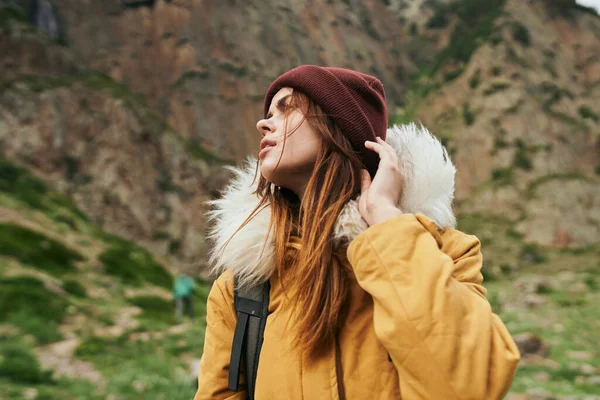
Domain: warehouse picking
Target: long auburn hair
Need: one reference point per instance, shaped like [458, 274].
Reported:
[303, 229]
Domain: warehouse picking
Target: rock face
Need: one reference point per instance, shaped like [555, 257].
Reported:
[103, 146]
[522, 119]
[137, 94]
[204, 66]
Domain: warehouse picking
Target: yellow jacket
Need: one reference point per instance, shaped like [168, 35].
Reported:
[416, 298]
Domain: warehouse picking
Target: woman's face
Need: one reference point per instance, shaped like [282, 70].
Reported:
[292, 166]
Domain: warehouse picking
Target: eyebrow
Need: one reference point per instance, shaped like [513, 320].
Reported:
[280, 105]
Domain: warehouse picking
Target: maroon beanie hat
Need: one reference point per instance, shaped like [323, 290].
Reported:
[354, 100]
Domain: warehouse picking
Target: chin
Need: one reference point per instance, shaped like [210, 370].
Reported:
[268, 172]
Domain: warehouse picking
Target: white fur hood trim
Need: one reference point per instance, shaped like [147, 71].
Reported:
[428, 189]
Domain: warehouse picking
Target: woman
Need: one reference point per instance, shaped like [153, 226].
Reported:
[374, 294]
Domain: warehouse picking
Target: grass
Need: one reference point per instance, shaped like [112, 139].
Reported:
[9, 13]
[155, 308]
[37, 250]
[25, 303]
[534, 184]
[20, 184]
[532, 254]
[75, 288]
[133, 264]
[19, 364]
[476, 23]
[202, 153]
[155, 364]
[566, 322]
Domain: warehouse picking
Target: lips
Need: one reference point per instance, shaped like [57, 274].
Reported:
[267, 143]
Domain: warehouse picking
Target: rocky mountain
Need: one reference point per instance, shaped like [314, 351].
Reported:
[117, 117]
[514, 93]
[99, 143]
[204, 66]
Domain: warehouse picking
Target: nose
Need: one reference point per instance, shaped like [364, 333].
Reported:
[265, 126]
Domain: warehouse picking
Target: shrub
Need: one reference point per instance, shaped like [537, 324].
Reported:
[586, 112]
[40, 328]
[522, 160]
[37, 250]
[97, 346]
[496, 87]
[532, 254]
[413, 30]
[19, 364]
[20, 184]
[160, 235]
[503, 175]
[133, 264]
[475, 79]
[155, 308]
[521, 34]
[25, 303]
[476, 19]
[468, 115]
[566, 8]
[75, 288]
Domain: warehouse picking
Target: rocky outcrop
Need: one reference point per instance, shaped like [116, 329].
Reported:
[521, 118]
[204, 66]
[98, 142]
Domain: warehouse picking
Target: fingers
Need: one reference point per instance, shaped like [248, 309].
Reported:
[365, 180]
[383, 149]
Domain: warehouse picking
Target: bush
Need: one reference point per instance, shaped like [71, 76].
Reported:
[476, 19]
[532, 254]
[586, 112]
[413, 30]
[439, 19]
[503, 175]
[475, 79]
[97, 346]
[25, 303]
[133, 264]
[40, 328]
[521, 34]
[19, 364]
[522, 160]
[155, 308]
[496, 87]
[75, 288]
[468, 115]
[37, 250]
[566, 8]
[28, 189]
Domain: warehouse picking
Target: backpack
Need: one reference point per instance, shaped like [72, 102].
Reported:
[252, 308]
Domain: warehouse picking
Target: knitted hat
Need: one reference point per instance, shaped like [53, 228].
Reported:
[354, 100]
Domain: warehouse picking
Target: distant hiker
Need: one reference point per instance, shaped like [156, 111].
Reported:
[183, 289]
[339, 263]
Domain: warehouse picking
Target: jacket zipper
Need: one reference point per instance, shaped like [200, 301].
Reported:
[339, 372]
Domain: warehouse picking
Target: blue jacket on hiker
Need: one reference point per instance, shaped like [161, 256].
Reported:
[183, 286]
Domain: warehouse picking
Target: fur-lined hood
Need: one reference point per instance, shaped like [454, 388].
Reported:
[428, 189]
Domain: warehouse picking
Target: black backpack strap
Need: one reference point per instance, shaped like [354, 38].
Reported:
[252, 308]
